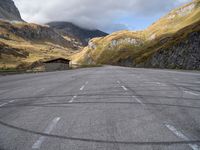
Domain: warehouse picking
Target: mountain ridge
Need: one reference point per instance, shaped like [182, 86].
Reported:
[79, 34]
[136, 47]
[9, 11]
[23, 44]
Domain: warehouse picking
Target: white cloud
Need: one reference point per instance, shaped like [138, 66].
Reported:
[92, 13]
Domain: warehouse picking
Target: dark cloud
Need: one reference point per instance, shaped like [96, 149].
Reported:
[92, 13]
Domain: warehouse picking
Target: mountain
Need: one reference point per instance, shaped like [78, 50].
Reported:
[22, 44]
[76, 33]
[8, 11]
[171, 42]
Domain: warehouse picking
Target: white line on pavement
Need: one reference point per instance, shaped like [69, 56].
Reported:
[118, 82]
[162, 84]
[86, 82]
[138, 100]
[191, 93]
[82, 87]
[125, 89]
[11, 101]
[182, 136]
[72, 99]
[3, 104]
[39, 142]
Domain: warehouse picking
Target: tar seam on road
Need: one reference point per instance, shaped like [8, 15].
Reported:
[191, 93]
[39, 142]
[182, 136]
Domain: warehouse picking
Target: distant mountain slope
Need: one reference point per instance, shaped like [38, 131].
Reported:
[9, 11]
[176, 32]
[72, 31]
[22, 44]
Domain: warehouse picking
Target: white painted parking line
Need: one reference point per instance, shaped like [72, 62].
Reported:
[81, 89]
[118, 82]
[191, 93]
[125, 89]
[39, 142]
[86, 82]
[3, 104]
[162, 84]
[138, 100]
[72, 99]
[182, 136]
[11, 101]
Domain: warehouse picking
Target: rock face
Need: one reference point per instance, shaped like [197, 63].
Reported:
[33, 32]
[41, 33]
[79, 34]
[132, 41]
[183, 55]
[8, 11]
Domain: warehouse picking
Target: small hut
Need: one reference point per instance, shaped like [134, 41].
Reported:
[57, 64]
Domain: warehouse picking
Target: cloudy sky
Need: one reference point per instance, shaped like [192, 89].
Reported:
[107, 15]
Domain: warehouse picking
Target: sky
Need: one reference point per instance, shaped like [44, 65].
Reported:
[106, 15]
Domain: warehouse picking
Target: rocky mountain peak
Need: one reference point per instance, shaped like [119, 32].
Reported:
[75, 32]
[8, 11]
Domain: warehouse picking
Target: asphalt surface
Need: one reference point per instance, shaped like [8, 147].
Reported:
[106, 108]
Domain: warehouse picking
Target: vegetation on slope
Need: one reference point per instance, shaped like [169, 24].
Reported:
[138, 46]
[22, 44]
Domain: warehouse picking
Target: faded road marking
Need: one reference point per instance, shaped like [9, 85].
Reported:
[81, 89]
[3, 104]
[39, 142]
[72, 99]
[125, 89]
[191, 93]
[86, 82]
[182, 136]
[138, 100]
[162, 84]
[11, 101]
[118, 82]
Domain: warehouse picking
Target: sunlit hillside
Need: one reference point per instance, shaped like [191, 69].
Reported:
[135, 47]
[22, 44]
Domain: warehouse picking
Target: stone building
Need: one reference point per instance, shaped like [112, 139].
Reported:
[57, 64]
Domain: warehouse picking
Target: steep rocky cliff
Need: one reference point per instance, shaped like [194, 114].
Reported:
[9, 11]
[182, 55]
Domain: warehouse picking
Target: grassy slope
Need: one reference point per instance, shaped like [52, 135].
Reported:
[17, 46]
[166, 31]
